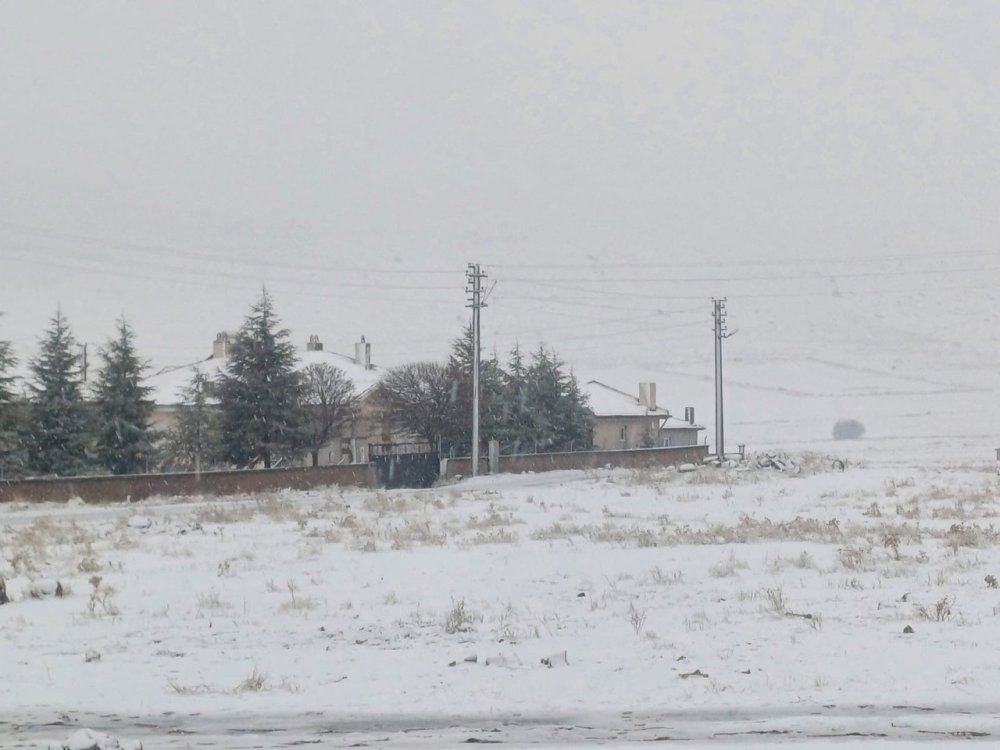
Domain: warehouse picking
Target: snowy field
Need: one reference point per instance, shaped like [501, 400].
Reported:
[554, 609]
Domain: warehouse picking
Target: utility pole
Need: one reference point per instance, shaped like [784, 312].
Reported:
[83, 361]
[475, 290]
[721, 332]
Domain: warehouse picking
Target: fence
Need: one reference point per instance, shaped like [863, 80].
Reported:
[139, 486]
[640, 458]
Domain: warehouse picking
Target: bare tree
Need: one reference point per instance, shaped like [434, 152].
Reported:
[422, 399]
[329, 400]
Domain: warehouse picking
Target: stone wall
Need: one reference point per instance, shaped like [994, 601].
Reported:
[139, 486]
[641, 458]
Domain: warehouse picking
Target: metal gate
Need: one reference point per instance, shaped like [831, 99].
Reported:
[404, 464]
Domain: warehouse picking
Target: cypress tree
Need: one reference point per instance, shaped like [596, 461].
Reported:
[260, 393]
[60, 429]
[124, 438]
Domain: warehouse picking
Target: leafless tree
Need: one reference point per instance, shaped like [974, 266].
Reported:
[330, 401]
[421, 398]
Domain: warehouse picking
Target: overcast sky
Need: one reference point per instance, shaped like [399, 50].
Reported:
[165, 159]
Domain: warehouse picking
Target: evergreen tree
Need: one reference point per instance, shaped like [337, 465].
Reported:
[13, 456]
[513, 417]
[193, 443]
[60, 428]
[491, 386]
[554, 414]
[576, 420]
[124, 438]
[261, 393]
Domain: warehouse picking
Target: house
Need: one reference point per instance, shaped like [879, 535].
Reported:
[623, 421]
[370, 421]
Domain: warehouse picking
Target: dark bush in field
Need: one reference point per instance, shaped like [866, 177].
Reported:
[848, 429]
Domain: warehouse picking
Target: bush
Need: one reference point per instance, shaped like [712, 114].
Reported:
[848, 429]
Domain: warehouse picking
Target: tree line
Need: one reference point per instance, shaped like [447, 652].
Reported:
[262, 410]
[530, 405]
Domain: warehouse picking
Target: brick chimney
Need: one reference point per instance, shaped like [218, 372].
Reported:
[314, 345]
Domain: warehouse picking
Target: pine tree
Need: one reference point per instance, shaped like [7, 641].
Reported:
[124, 437]
[460, 368]
[260, 393]
[513, 417]
[193, 443]
[60, 428]
[542, 397]
[13, 456]
[575, 417]
[554, 414]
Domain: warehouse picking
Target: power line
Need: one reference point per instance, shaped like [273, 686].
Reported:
[107, 264]
[716, 262]
[217, 258]
[673, 280]
[215, 280]
[577, 302]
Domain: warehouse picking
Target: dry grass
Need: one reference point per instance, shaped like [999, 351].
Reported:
[252, 683]
[235, 512]
[727, 567]
[459, 619]
[101, 601]
[493, 536]
[211, 601]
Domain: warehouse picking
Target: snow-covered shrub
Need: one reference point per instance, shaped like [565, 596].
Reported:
[848, 429]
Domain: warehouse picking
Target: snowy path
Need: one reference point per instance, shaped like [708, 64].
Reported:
[799, 725]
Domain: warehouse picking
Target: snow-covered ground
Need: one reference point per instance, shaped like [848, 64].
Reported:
[711, 605]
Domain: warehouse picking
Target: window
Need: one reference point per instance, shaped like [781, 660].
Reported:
[622, 433]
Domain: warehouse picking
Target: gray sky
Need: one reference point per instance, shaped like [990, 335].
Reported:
[165, 159]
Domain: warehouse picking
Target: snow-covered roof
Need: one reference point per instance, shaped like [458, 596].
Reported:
[607, 401]
[169, 383]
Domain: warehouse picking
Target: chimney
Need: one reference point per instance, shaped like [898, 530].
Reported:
[647, 396]
[220, 347]
[689, 414]
[363, 354]
[314, 345]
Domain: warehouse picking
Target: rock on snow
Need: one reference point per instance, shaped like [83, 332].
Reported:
[88, 739]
